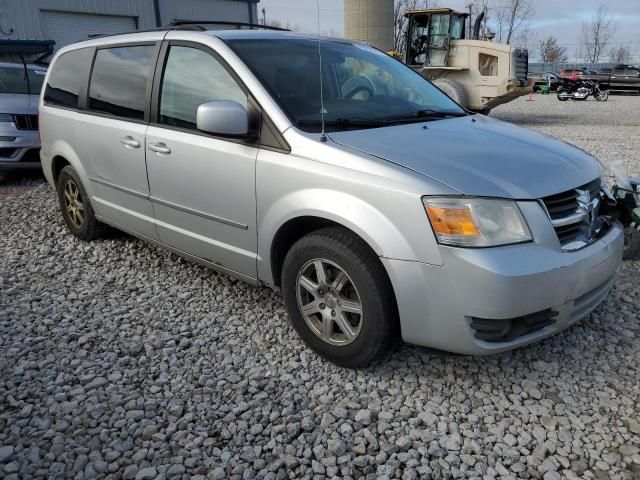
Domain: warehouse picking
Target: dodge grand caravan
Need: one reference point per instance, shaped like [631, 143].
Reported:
[381, 208]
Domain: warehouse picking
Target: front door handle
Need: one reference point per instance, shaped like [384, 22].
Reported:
[159, 148]
[129, 141]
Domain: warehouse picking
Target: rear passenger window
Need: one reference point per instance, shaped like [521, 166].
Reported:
[119, 80]
[193, 77]
[67, 75]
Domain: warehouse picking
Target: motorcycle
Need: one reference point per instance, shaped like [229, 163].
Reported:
[625, 194]
[580, 90]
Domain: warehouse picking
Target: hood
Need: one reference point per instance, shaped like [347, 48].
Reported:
[478, 155]
[21, 104]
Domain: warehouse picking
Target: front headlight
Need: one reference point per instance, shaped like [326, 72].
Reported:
[476, 222]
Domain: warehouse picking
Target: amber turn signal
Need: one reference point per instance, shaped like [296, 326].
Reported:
[452, 221]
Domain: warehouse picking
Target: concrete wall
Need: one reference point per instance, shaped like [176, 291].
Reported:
[369, 21]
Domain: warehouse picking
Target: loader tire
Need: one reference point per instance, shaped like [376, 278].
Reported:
[454, 90]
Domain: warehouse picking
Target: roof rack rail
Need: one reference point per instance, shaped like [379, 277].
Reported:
[238, 25]
[191, 25]
[146, 30]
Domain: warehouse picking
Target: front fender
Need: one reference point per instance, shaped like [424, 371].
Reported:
[374, 226]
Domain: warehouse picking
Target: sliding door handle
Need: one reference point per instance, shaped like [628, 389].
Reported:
[159, 148]
[129, 141]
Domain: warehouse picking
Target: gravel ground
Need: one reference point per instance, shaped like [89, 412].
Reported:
[120, 360]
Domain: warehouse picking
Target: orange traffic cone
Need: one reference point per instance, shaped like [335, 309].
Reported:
[530, 99]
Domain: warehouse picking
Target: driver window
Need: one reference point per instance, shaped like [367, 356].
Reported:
[457, 27]
[439, 30]
[193, 77]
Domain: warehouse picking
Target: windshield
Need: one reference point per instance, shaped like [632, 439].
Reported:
[12, 80]
[362, 87]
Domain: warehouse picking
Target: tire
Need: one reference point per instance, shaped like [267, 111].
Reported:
[83, 223]
[562, 99]
[363, 282]
[454, 90]
[631, 243]
[602, 96]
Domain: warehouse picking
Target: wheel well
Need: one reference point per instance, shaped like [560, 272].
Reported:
[290, 233]
[57, 164]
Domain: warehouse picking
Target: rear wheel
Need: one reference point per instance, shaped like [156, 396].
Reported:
[562, 95]
[339, 297]
[76, 209]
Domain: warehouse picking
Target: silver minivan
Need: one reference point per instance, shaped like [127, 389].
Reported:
[381, 208]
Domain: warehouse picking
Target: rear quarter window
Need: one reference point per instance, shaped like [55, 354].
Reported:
[68, 73]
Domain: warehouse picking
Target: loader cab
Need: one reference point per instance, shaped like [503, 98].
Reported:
[429, 34]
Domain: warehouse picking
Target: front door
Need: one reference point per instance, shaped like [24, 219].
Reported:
[202, 187]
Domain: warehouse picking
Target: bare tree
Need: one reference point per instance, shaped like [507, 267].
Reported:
[511, 16]
[526, 38]
[621, 54]
[400, 22]
[550, 51]
[596, 34]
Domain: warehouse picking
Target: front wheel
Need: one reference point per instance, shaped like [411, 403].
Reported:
[339, 298]
[602, 96]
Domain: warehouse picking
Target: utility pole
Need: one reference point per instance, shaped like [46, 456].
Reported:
[264, 16]
[470, 26]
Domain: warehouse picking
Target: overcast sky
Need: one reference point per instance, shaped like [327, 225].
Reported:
[561, 18]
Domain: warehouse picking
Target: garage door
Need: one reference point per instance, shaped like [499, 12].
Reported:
[70, 27]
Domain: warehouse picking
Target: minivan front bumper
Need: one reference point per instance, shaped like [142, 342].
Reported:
[490, 288]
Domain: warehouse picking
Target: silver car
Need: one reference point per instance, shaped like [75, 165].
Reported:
[20, 87]
[381, 209]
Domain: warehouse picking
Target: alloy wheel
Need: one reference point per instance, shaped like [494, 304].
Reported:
[329, 301]
[73, 203]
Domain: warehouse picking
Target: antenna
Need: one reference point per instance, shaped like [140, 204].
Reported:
[323, 135]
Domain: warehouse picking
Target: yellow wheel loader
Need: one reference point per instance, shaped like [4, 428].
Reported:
[478, 74]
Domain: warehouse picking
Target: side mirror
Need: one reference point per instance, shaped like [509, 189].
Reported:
[223, 117]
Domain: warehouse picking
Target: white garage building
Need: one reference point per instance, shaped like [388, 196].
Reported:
[68, 21]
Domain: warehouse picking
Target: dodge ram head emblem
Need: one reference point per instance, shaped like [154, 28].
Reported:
[589, 207]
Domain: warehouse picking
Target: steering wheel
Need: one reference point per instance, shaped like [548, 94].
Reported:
[360, 88]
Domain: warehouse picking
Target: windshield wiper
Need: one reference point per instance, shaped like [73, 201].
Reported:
[362, 122]
[344, 122]
[420, 115]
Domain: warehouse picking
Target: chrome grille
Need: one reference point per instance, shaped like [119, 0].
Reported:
[572, 214]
